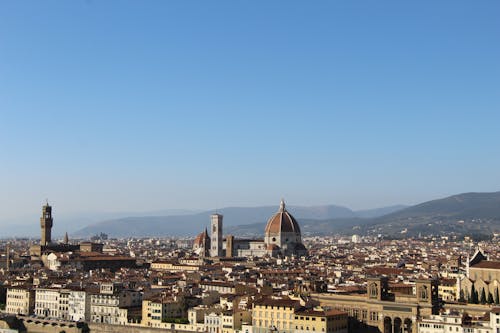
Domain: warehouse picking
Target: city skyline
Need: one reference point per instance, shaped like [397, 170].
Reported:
[249, 166]
[109, 107]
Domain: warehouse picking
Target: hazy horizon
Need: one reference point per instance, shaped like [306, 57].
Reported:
[130, 106]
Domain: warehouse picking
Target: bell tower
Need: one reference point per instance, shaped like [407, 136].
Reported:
[46, 225]
[216, 235]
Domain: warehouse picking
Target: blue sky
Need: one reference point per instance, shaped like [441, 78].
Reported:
[146, 105]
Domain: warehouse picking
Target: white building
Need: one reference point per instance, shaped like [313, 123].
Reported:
[78, 305]
[112, 304]
[448, 323]
[495, 320]
[213, 322]
[47, 302]
[20, 301]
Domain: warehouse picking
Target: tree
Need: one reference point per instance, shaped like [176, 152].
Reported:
[497, 298]
[483, 296]
[490, 298]
[473, 295]
[475, 298]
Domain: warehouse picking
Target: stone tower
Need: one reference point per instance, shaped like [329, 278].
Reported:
[378, 288]
[46, 225]
[216, 235]
[427, 293]
[7, 257]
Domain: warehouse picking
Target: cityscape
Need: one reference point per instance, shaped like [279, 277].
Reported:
[255, 166]
[217, 282]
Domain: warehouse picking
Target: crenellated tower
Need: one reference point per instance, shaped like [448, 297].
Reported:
[46, 225]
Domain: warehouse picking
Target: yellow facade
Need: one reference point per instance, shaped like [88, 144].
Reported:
[276, 315]
[170, 267]
[320, 322]
[155, 312]
[448, 293]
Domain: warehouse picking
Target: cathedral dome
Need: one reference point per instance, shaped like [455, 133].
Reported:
[282, 222]
[200, 240]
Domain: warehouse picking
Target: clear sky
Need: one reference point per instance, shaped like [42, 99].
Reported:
[146, 105]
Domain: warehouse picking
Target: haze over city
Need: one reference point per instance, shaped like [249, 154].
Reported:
[140, 107]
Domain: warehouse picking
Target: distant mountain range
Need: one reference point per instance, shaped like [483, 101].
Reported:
[191, 224]
[467, 213]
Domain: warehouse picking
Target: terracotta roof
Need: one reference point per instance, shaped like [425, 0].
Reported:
[447, 282]
[277, 302]
[200, 239]
[315, 313]
[217, 283]
[282, 221]
[487, 264]
[108, 258]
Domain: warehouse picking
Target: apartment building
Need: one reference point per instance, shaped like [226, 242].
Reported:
[114, 305]
[277, 315]
[47, 301]
[157, 310]
[78, 305]
[233, 320]
[20, 300]
[320, 321]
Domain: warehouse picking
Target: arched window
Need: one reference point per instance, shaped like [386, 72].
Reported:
[423, 292]
[373, 290]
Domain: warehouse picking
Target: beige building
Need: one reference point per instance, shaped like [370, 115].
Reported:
[232, 321]
[448, 290]
[321, 321]
[114, 305]
[158, 310]
[221, 287]
[384, 310]
[20, 301]
[275, 315]
[483, 278]
[173, 267]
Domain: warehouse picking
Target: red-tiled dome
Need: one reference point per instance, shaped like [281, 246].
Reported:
[200, 239]
[282, 221]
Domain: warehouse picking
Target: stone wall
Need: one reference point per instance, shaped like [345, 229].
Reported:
[106, 328]
[50, 326]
